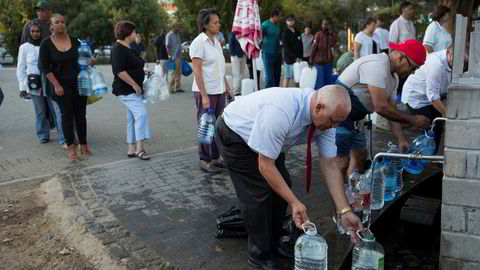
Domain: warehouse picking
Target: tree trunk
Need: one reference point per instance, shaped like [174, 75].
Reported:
[463, 7]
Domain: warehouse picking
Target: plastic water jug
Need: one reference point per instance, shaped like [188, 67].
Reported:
[424, 145]
[159, 70]
[259, 62]
[297, 70]
[99, 87]
[206, 127]
[155, 88]
[397, 164]
[390, 173]
[353, 194]
[308, 77]
[84, 54]
[248, 87]
[229, 81]
[364, 187]
[311, 249]
[84, 83]
[369, 254]
[378, 187]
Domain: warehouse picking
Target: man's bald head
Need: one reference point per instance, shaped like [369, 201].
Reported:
[330, 106]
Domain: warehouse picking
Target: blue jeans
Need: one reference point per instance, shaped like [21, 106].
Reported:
[137, 118]
[58, 122]
[272, 69]
[41, 122]
[324, 75]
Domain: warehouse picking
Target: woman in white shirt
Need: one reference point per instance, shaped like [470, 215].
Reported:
[209, 83]
[436, 37]
[30, 85]
[365, 41]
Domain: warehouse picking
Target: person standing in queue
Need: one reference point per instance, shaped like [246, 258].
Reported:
[253, 134]
[58, 60]
[209, 84]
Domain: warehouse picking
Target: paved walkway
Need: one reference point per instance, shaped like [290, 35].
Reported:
[164, 210]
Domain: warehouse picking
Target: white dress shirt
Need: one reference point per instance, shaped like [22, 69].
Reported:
[437, 37]
[429, 82]
[27, 64]
[401, 30]
[274, 119]
[213, 65]
[382, 35]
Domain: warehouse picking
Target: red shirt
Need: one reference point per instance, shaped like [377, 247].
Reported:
[323, 43]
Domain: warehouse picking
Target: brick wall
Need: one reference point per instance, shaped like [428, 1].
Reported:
[460, 239]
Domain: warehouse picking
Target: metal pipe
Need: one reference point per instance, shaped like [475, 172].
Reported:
[400, 156]
[437, 119]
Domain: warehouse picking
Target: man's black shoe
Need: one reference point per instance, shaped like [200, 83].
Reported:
[265, 264]
[284, 251]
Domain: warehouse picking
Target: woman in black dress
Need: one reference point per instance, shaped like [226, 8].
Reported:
[58, 59]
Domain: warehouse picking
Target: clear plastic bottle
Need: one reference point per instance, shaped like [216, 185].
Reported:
[99, 87]
[84, 83]
[378, 187]
[390, 173]
[353, 193]
[311, 251]
[364, 187]
[206, 127]
[397, 164]
[369, 254]
[424, 145]
[84, 54]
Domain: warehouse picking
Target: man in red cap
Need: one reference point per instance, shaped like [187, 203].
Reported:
[372, 84]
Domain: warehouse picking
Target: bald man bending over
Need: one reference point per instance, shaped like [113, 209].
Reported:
[252, 136]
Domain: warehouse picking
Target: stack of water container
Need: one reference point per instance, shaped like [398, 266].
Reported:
[90, 81]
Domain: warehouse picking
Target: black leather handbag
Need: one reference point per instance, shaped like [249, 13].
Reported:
[34, 82]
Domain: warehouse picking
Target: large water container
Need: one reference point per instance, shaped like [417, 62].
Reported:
[155, 88]
[308, 77]
[311, 249]
[297, 70]
[369, 254]
[84, 83]
[390, 173]
[424, 145]
[353, 194]
[378, 187]
[397, 164]
[364, 187]
[84, 54]
[248, 87]
[99, 87]
[206, 127]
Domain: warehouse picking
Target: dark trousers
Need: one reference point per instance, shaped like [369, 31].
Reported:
[1, 96]
[73, 107]
[250, 71]
[272, 69]
[263, 210]
[209, 152]
[431, 113]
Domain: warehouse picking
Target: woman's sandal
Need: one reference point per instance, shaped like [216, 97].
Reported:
[131, 155]
[143, 155]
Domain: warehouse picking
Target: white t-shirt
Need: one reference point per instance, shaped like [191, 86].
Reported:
[213, 65]
[400, 30]
[367, 44]
[374, 70]
[382, 35]
[437, 37]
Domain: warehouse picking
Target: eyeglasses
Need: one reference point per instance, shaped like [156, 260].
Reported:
[412, 66]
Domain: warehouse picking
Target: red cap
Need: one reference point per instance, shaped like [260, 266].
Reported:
[412, 49]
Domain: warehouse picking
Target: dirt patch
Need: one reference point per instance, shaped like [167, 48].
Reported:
[28, 238]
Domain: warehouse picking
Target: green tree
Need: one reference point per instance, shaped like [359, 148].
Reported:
[13, 16]
[93, 22]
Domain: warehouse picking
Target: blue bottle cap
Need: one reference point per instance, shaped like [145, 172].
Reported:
[211, 110]
[430, 134]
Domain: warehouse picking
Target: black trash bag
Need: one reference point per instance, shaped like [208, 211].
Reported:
[230, 224]
[290, 233]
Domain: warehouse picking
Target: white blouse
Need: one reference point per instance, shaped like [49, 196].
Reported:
[27, 64]
[213, 64]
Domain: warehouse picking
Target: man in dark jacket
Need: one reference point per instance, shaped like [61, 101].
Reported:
[323, 53]
[292, 49]
[43, 11]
